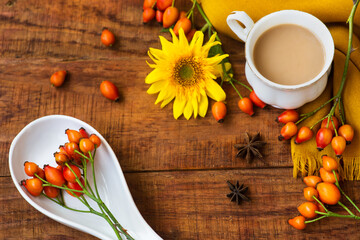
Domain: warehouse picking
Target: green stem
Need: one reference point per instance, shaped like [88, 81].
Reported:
[349, 50]
[191, 11]
[242, 84]
[110, 223]
[47, 184]
[64, 206]
[307, 115]
[94, 177]
[232, 84]
[205, 27]
[85, 172]
[343, 193]
[320, 203]
[203, 14]
[337, 97]
[314, 220]
[74, 163]
[333, 124]
[317, 122]
[76, 151]
[348, 210]
[341, 112]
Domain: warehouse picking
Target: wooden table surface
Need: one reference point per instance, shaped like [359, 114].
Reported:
[176, 169]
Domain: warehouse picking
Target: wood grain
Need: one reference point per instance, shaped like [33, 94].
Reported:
[176, 169]
[193, 205]
[144, 136]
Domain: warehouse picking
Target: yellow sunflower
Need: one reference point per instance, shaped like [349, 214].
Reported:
[183, 71]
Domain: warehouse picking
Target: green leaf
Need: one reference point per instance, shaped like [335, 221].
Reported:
[167, 29]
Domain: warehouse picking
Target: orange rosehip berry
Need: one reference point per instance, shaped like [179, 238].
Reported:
[246, 106]
[149, 4]
[159, 16]
[163, 4]
[347, 132]
[171, 15]
[182, 15]
[148, 15]
[312, 181]
[86, 145]
[304, 134]
[51, 192]
[331, 126]
[183, 23]
[219, 111]
[73, 135]
[83, 132]
[307, 209]
[309, 193]
[109, 90]
[31, 168]
[328, 193]
[33, 186]
[287, 131]
[329, 163]
[298, 222]
[61, 158]
[95, 140]
[256, 100]
[323, 138]
[58, 78]
[107, 37]
[288, 116]
[327, 176]
[190, 35]
[338, 144]
[41, 173]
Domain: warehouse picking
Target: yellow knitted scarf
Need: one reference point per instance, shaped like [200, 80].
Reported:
[306, 158]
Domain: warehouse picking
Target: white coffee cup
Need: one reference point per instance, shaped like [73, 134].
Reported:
[279, 95]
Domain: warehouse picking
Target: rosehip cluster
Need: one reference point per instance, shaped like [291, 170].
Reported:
[68, 171]
[320, 192]
[168, 15]
[329, 132]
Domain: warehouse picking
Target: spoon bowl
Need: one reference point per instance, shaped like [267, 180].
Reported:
[37, 142]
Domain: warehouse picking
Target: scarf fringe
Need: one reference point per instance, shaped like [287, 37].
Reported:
[309, 165]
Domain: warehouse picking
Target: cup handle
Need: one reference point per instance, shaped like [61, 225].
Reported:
[242, 17]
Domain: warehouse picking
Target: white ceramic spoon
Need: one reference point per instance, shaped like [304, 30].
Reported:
[38, 141]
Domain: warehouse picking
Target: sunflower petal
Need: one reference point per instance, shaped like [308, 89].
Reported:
[166, 45]
[164, 93]
[188, 110]
[214, 91]
[195, 105]
[178, 107]
[183, 42]
[174, 37]
[215, 60]
[156, 87]
[154, 76]
[166, 101]
[196, 43]
[203, 105]
[156, 53]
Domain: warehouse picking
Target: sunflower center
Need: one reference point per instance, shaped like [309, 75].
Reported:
[187, 72]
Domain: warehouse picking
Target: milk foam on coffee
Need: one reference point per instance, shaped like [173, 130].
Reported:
[288, 54]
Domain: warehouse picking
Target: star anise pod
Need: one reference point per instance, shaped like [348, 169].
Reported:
[250, 149]
[237, 192]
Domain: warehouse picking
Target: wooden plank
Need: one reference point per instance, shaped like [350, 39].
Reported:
[143, 136]
[71, 29]
[193, 205]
